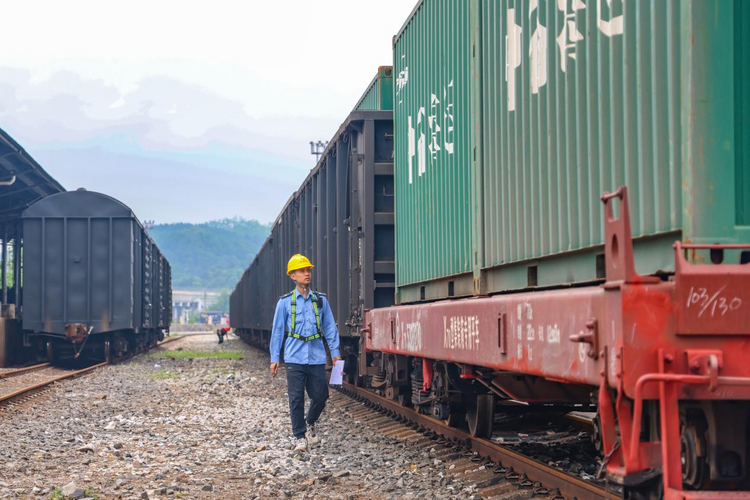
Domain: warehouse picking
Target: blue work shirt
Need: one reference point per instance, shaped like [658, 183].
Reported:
[299, 351]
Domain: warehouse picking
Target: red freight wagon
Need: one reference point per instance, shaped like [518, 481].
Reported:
[681, 342]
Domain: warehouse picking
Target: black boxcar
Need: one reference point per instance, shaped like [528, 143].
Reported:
[342, 219]
[93, 278]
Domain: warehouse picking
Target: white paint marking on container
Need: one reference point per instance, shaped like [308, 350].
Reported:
[412, 149]
[538, 52]
[448, 120]
[512, 56]
[421, 143]
[613, 27]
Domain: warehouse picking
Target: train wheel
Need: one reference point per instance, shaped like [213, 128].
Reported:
[481, 415]
[50, 352]
[120, 346]
[456, 417]
[351, 369]
[693, 451]
[652, 490]
[453, 414]
[596, 434]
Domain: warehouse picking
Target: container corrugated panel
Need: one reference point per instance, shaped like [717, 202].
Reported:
[572, 101]
[370, 98]
[433, 143]
[379, 94]
[742, 109]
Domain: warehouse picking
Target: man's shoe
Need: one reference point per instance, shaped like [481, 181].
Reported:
[301, 445]
[312, 437]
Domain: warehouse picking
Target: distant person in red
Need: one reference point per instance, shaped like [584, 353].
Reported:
[222, 332]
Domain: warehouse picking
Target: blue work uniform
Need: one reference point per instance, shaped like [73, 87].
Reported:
[298, 351]
[305, 360]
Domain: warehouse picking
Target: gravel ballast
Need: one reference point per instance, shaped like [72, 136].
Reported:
[199, 428]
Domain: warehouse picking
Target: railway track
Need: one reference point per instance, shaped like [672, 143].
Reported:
[169, 340]
[30, 384]
[496, 470]
[25, 384]
[20, 371]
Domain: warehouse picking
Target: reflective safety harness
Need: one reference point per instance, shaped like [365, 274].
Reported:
[295, 335]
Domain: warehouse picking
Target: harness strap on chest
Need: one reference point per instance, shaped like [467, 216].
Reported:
[294, 318]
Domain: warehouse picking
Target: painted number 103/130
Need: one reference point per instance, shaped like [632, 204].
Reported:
[712, 302]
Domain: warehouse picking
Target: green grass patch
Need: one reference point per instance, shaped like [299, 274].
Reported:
[89, 493]
[164, 374]
[179, 354]
[56, 494]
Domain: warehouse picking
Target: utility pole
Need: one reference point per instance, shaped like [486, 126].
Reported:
[317, 148]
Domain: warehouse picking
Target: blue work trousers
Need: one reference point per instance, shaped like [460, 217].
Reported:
[298, 378]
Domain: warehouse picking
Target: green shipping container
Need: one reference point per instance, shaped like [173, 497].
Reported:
[379, 94]
[512, 117]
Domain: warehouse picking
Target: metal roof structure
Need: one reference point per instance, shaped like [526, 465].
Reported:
[22, 180]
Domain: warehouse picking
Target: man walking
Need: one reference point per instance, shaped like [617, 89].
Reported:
[302, 319]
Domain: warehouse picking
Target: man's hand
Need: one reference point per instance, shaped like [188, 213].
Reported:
[274, 369]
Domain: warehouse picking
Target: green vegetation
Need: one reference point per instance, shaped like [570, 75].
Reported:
[211, 255]
[89, 493]
[194, 317]
[199, 354]
[164, 374]
[57, 494]
[222, 301]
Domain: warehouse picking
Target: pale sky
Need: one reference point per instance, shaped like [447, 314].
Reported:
[187, 111]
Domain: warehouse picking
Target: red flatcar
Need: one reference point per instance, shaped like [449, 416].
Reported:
[666, 360]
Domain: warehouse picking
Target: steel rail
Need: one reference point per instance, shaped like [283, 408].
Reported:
[569, 486]
[172, 339]
[21, 371]
[7, 397]
[40, 385]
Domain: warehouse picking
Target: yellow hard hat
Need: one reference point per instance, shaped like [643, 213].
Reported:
[298, 261]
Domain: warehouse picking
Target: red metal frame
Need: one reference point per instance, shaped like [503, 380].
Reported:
[636, 337]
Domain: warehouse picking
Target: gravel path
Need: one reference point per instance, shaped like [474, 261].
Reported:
[199, 428]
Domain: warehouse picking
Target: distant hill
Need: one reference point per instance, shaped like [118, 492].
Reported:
[210, 255]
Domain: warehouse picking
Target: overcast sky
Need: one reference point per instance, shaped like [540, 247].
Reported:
[187, 111]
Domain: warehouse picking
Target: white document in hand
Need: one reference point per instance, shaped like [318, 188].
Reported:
[337, 373]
